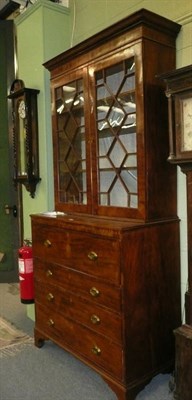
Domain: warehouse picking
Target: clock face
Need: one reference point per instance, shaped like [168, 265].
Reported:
[187, 124]
[22, 109]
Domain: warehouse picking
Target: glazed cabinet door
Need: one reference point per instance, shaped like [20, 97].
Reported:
[95, 138]
[70, 143]
[114, 85]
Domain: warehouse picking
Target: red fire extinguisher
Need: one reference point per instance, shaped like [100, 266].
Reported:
[26, 284]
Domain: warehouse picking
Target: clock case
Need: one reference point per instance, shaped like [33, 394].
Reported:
[179, 88]
[25, 137]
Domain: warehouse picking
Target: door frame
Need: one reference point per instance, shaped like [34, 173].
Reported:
[11, 228]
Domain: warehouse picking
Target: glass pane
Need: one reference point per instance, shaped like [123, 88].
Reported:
[119, 195]
[22, 156]
[116, 135]
[71, 142]
[129, 177]
[106, 180]
[114, 76]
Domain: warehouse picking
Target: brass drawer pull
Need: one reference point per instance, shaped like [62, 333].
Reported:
[47, 243]
[95, 319]
[94, 292]
[96, 350]
[51, 322]
[92, 256]
[50, 297]
[49, 273]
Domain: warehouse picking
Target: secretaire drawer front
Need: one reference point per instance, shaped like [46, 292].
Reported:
[86, 286]
[91, 346]
[69, 305]
[94, 255]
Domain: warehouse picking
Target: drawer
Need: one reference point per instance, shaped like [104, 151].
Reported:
[85, 286]
[86, 253]
[69, 305]
[90, 346]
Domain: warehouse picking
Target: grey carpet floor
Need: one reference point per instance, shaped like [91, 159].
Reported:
[50, 373]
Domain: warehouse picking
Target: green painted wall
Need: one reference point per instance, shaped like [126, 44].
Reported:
[43, 31]
[48, 29]
[92, 16]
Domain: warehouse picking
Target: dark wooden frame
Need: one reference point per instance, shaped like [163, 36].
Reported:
[31, 178]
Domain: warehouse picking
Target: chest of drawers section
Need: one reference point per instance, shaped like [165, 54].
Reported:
[108, 293]
[78, 301]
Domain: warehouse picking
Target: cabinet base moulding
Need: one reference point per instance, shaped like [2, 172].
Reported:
[123, 392]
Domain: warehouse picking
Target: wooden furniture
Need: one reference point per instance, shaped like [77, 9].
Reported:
[179, 93]
[106, 262]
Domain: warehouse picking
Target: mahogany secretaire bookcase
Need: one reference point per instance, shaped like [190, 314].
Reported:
[106, 262]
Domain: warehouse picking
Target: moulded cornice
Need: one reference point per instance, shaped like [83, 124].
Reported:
[44, 4]
[185, 19]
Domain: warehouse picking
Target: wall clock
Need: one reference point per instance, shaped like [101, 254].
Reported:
[25, 135]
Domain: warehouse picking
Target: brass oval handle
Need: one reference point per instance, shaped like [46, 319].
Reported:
[96, 350]
[49, 273]
[50, 297]
[92, 256]
[47, 243]
[95, 319]
[94, 292]
[51, 322]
